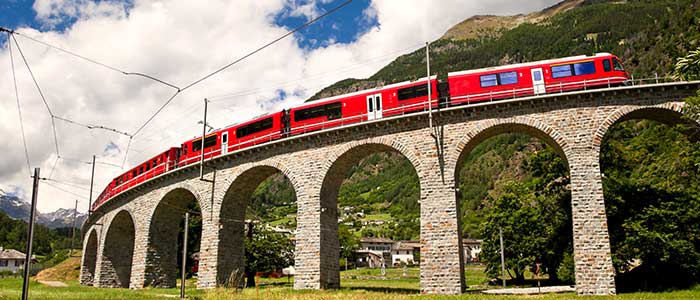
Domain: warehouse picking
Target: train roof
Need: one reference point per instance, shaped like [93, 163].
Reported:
[527, 64]
[379, 88]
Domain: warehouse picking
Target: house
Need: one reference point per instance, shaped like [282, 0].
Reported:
[472, 248]
[375, 251]
[403, 252]
[368, 258]
[11, 260]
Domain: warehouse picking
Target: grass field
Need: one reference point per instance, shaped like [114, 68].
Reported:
[356, 284]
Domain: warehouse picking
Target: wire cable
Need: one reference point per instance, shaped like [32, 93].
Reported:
[239, 60]
[64, 190]
[96, 62]
[19, 108]
[53, 123]
[91, 126]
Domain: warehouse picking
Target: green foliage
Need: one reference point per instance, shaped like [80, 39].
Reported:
[652, 195]
[267, 251]
[688, 67]
[13, 235]
[348, 242]
[566, 271]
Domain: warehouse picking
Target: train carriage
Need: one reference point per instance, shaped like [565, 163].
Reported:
[535, 78]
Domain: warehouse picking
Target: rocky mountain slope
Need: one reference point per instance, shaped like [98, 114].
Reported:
[19, 209]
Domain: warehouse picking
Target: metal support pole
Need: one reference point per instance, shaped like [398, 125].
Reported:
[503, 260]
[30, 236]
[92, 180]
[430, 98]
[184, 256]
[204, 132]
[72, 239]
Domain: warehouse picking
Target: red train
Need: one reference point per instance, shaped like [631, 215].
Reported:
[464, 87]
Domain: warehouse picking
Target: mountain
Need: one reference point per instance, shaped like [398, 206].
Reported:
[18, 209]
[489, 26]
[62, 218]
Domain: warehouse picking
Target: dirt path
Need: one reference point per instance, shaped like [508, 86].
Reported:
[53, 283]
[532, 290]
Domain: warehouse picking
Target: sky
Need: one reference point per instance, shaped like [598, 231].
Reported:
[180, 41]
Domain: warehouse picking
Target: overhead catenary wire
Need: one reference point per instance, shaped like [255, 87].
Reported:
[91, 126]
[53, 123]
[19, 107]
[64, 190]
[115, 69]
[239, 60]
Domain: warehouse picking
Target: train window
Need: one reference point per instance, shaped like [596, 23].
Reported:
[584, 68]
[412, 92]
[561, 71]
[133, 174]
[155, 162]
[331, 110]
[254, 127]
[617, 65]
[606, 65]
[489, 80]
[208, 142]
[508, 78]
[224, 138]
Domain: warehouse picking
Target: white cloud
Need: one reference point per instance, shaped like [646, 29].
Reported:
[180, 41]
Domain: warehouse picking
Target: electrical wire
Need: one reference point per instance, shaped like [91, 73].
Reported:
[96, 62]
[91, 126]
[19, 108]
[64, 190]
[239, 60]
[53, 124]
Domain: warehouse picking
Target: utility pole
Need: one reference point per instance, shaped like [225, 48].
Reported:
[30, 236]
[92, 180]
[503, 261]
[184, 256]
[72, 239]
[204, 133]
[430, 99]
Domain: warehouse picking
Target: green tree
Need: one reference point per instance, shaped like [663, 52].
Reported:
[348, 242]
[652, 198]
[688, 67]
[266, 251]
[515, 213]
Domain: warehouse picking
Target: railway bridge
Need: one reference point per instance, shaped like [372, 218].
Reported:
[129, 241]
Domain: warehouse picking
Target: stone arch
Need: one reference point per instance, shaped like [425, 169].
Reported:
[667, 113]
[487, 129]
[334, 171]
[163, 232]
[231, 215]
[484, 130]
[89, 262]
[118, 251]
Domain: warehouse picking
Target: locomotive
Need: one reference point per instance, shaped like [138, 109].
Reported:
[460, 88]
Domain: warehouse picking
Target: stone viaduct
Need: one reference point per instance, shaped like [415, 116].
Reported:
[129, 240]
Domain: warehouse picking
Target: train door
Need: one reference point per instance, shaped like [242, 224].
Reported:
[374, 106]
[224, 142]
[538, 81]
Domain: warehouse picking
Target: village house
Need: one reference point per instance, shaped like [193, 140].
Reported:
[11, 260]
[374, 252]
[472, 248]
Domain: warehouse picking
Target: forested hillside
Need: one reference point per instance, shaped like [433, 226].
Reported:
[647, 35]
[650, 170]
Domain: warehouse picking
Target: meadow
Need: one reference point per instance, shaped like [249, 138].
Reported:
[356, 284]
